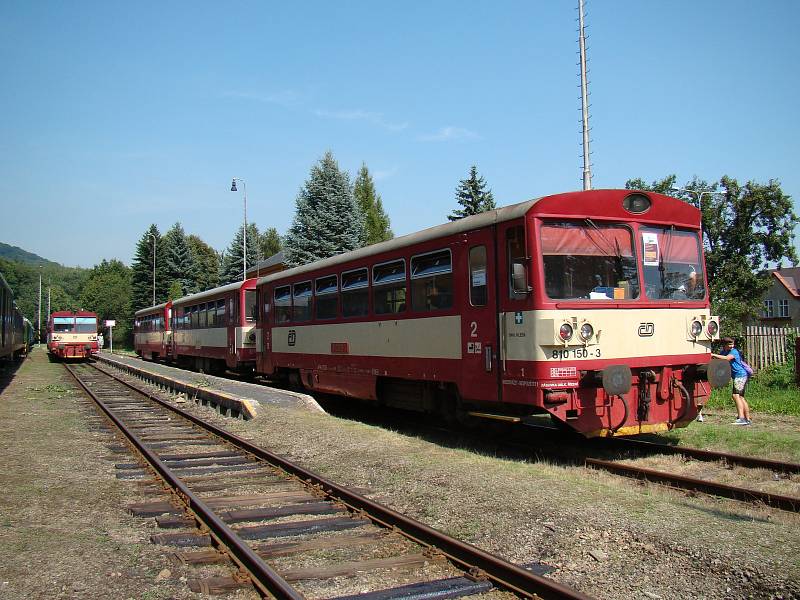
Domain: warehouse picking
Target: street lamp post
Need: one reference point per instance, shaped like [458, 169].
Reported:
[39, 323]
[154, 267]
[244, 231]
[698, 192]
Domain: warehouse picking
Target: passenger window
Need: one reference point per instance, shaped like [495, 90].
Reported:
[220, 320]
[515, 252]
[283, 304]
[302, 301]
[326, 299]
[432, 281]
[355, 293]
[202, 320]
[250, 305]
[389, 287]
[478, 285]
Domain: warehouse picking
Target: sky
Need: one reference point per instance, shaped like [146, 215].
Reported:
[116, 115]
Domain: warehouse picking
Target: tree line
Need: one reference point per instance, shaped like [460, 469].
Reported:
[745, 227]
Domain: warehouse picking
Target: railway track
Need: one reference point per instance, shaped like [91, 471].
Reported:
[639, 447]
[230, 501]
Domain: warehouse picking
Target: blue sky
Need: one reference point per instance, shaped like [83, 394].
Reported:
[116, 115]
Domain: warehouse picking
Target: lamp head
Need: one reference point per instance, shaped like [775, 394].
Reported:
[233, 185]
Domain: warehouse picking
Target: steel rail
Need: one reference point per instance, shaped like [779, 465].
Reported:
[473, 560]
[701, 485]
[708, 455]
[262, 575]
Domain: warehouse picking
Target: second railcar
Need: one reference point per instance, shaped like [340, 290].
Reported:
[590, 306]
[152, 333]
[215, 330]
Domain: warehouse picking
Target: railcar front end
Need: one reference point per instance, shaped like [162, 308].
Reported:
[72, 335]
[618, 338]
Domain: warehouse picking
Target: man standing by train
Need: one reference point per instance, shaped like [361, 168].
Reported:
[739, 376]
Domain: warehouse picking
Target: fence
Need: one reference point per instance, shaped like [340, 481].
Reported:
[766, 346]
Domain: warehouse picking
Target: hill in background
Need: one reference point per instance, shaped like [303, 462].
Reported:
[15, 254]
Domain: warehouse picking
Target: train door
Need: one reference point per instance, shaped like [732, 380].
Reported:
[480, 374]
[234, 302]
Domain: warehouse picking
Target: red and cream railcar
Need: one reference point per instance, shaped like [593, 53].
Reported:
[152, 336]
[590, 306]
[72, 334]
[215, 329]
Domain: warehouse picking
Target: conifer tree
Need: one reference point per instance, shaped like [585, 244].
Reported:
[231, 268]
[208, 263]
[328, 220]
[142, 271]
[270, 243]
[376, 221]
[472, 196]
[180, 266]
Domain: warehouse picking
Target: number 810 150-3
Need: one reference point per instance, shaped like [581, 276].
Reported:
[576, 353]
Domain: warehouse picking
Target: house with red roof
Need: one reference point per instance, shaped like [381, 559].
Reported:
[781, 305]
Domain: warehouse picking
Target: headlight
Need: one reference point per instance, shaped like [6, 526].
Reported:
[565, 332]
[587, 331]
[697, 328]
[712, 328]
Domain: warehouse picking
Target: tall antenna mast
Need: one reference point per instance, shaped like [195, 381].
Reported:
[587, 167]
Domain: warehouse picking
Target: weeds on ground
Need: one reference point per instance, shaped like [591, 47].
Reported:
[771, 391]
[749, 441]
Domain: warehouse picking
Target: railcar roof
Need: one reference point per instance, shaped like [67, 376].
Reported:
[151, 309]
[212, 292]
[483, 219]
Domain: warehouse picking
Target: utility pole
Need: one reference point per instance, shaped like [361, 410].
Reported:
[587, 167]
[39, 324]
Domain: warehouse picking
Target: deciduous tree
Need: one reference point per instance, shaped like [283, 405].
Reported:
[745, 228]
[107, 292]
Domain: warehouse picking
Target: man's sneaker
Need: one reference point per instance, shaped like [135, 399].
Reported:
[749, 422]
[700, 418]
[741, 421]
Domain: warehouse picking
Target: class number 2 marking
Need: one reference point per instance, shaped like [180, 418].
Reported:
[473, 327]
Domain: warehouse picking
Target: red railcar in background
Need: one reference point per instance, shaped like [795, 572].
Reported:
[72, 334]
[151, 331]
[210, 331]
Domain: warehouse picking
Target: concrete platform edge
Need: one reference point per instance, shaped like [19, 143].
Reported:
[232, 404]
